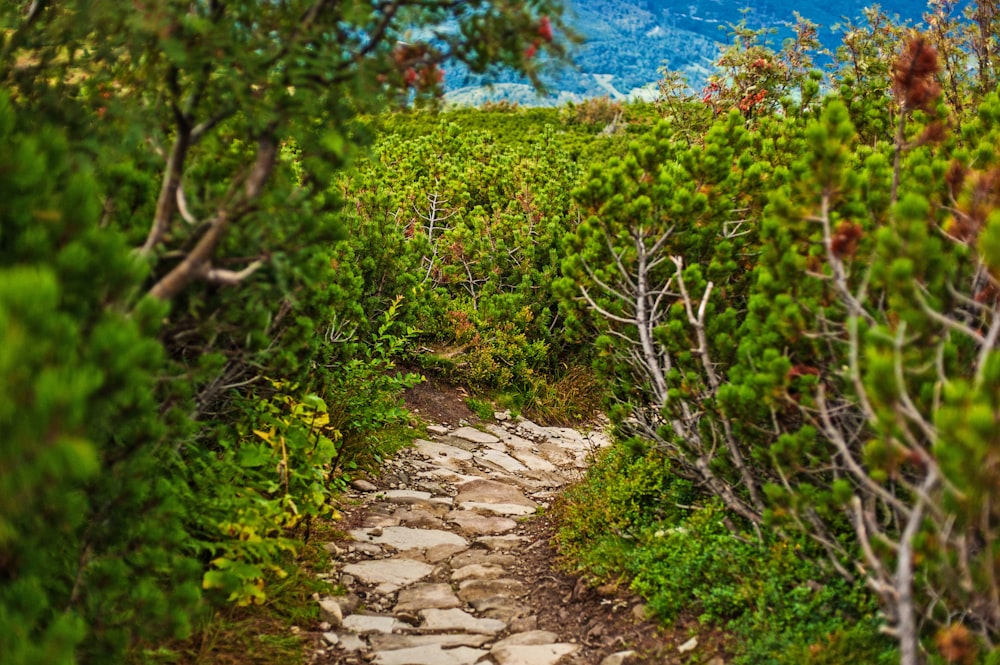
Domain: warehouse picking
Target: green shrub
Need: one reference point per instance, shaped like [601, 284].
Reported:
[94, 549]
[631, 520]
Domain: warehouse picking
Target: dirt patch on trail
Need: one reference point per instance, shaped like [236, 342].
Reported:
[437, 401]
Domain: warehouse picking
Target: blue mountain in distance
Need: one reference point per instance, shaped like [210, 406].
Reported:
[627, 42]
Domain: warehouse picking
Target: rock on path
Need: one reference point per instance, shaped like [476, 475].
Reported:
[430, 575]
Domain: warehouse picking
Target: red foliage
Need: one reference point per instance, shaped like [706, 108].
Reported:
[749, 101]
[802, 370]
[545, 29]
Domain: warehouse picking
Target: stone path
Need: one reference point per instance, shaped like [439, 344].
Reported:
[431, 574]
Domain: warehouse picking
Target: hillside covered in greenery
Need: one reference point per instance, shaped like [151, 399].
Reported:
[227, 227]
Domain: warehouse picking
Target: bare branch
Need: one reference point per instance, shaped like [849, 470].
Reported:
[197, 264]
[989, 345]
[167, 201]
[231, 277]
[907, 626]
[603, 312]
[182, 206]
[946, 321]
[836, 436]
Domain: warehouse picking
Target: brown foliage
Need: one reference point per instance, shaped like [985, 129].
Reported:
[956, 644]
[982, 198]
[913, 75]
[844, 242]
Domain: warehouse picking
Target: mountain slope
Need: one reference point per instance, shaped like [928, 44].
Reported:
[627, 42]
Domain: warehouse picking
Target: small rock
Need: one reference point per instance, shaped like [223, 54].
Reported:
[330, 611]
[608, 589]
[502, 416]
[716, 661]
[437, 430]
[368, 548]
[331, 638]
[324, 626]
[620, 658]
[347, 580]
[363, 485]
[639, 612]
[690, 645]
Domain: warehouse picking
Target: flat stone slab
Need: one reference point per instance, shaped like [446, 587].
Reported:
[400, 572]
[563, 458]
[479, 525]
[427, 596]
[531, 637]
[374, 520]
[447, 475]
[473, 435]
[501, 460]
[532, 654]
[432, 654]
[395, 642]
[406, 538]
[510, 439]
[439, 553]
[516, 509]
[473, 590]
[459, 620]
[501, 607]
[491, 491]
[418, 518]
[363, 624]
[405, 496]
[534, 462]
[482, 557]
[442, 453]
[502, 543]
[476, 571]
